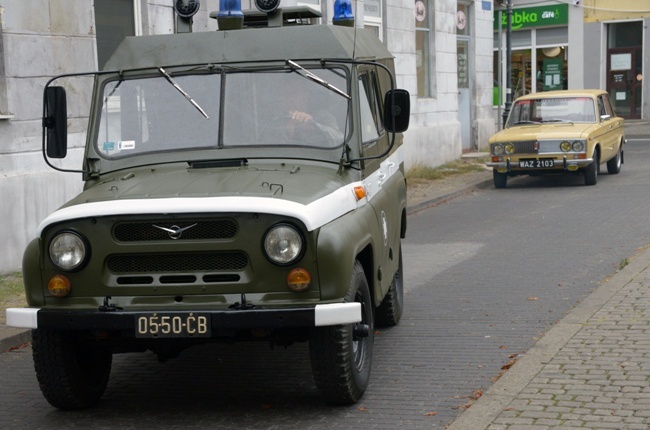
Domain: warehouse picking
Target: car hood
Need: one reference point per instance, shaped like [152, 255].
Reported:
[543, 132]
[315, 193]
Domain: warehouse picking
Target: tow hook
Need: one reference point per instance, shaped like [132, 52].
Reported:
[106, 307]
[243, 305]
[360, 330]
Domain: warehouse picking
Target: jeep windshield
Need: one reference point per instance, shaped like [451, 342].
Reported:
[222, 110]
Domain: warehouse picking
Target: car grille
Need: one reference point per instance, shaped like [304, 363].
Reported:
[194, 230]
[525, 147]
[205, 262]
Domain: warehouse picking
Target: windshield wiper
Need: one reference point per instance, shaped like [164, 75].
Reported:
[564, 121]
[526, 122]
[311, 76]
[187, 96]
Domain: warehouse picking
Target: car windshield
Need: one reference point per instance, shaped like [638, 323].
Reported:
[553, 110]
[177, 112]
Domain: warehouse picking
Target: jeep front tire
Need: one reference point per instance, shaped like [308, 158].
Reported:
[341, 355]
[72, 369]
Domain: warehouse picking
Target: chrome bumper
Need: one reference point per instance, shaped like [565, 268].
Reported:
[563, 164]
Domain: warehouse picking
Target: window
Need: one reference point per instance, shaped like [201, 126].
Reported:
[422, 48]
[370, 106]
[114, 20]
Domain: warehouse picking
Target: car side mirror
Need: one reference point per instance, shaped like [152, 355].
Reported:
[55, 121]
[397, 107]
[605, 117]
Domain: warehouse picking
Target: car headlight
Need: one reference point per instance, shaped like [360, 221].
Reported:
[578, 146]
[283, 244]
[509, 148]
[497, 149]
[565, 146]
[68, 251]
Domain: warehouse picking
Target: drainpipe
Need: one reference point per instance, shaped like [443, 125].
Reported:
[506, 112]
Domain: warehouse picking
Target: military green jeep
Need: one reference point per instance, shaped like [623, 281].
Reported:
[238, 185]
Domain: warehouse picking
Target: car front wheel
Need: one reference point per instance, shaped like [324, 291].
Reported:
[592, 170]
[341, 355]
[614, 165]
[72, 369]
[500, 179]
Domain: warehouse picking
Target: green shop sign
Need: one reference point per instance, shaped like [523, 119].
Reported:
[528, 17]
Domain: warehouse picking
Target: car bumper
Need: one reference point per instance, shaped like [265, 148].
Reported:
[563, 164]
[310, 316]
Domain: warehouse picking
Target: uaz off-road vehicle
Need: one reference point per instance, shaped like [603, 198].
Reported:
[240, 184]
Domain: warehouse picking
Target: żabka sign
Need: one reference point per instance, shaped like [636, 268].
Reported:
[534, 17]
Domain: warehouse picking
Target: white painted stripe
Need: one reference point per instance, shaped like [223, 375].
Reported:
[22, 317]
[337, 313]
[313, 215]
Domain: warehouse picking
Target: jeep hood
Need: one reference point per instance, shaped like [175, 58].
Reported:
[315, 194]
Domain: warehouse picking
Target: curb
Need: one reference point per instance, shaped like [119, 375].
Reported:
[487, 408]
[15, 338]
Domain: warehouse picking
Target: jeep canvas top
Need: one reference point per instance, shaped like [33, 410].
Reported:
[242, 184]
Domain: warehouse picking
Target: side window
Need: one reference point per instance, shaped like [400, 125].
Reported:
[608, 106]
[601, 107]
[368, 108]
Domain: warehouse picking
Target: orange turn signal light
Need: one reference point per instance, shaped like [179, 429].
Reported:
[59, 286]
[298, 280]
[359, 192]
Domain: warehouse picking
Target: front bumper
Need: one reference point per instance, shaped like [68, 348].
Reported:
[564, 164]
[92, 319]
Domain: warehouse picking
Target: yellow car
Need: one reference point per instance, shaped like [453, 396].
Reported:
[569, 131]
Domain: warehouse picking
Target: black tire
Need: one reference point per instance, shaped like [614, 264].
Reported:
[72, 370]
[340, 359]
[614, 164]
[592, 170]
[390, 310]
[500, 179]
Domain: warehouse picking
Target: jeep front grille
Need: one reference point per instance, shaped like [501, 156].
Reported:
[156, 263]
[145, 231]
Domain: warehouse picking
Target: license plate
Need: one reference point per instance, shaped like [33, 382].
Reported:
[541, 163]
[164, 325]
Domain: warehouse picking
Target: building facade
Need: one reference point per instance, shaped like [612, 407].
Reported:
[575, 44]
[442, 57]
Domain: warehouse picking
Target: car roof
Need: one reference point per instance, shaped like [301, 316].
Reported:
[592, 93]
[248, 45]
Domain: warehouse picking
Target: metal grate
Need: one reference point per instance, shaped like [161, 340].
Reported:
[189, 230]
[155, 263]
[525, 147]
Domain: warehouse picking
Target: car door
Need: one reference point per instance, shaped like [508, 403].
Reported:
[609, 128]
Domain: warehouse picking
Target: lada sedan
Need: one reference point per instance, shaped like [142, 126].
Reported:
[569, 131]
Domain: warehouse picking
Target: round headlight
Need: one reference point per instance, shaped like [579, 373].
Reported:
[68, 251]
[510, 148]
[283, 244]
[497, 149]
[565, 146]
[578, 146]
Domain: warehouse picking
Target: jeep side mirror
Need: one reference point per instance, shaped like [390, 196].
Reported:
[55, 120]
[397, 107]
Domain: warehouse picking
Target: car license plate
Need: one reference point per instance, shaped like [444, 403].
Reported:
[540, 163]
[162, 325]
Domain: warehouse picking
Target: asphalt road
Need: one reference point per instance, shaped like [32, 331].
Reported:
[486, 274]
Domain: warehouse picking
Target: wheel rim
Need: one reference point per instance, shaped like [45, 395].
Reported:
[359, 344]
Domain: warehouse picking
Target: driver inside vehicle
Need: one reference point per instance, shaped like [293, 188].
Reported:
[304, 115]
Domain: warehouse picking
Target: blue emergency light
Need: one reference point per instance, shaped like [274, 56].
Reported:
[343, 13]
